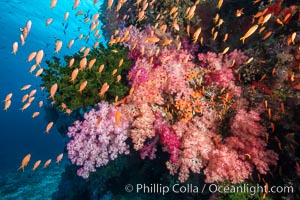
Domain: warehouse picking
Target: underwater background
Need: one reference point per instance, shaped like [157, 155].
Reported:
[140, 99]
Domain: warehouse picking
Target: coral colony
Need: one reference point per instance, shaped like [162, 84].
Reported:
[218, 93]
[171, 107]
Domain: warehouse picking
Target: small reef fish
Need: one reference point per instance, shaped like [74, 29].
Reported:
[58, 46]
[121, 62]
[39, 57]
[15, 47]
[278, 21]
[53, 3]
[49, 21]
[114, 72]
[25, 162]
[74, 75]
[32, 68]
[8, 97]
[71, 62]
[248, 33]
[267, 35]
[28, 26]
[76, 3]
[83, 63]
[39, 72]
[152, 39]
[225, 50]
[35, 114]
[7, 104]
[53, 90]
[104, 89]
[22, 39]
[131, 91]
[41, 103]
[293, 37]
[196, 35]
[215, 35]
[118, 117]
[31, 56]
[119, 78]
[225, 37]
[71, 43]
[221, 21]
[82, 86]
[47, 163]
[91, 63]
[59, 158]
[66, 16]
[239, 12]
[25, 97]
[220, 3]
[31, 99]
[36, 165]
[49, 126]
[86, 52]
[25, 106]
[266, 19]
[101, 68]
[25, 87]
[249, 60]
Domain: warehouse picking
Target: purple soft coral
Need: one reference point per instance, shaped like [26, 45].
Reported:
[97, 139]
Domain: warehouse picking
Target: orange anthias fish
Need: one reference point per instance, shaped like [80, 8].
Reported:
[49, 126]
[15, 48]
[58, 46]
[91, 63]
[36, 164]
[39, 57]
[53, 90]
[25, 106]
[8, 97]
[7, 105]
[25, 87]
[35, 114]
[239, 12]
[104, 89]
[82, 86]
[47, 163]
[31, 56]
[74, 75]
[25, 162]
[53, 3]
[118, 117]
[101, 68]
[76, 3]
[249, 32]
[82, 63]
[59, 158]
[110, 3]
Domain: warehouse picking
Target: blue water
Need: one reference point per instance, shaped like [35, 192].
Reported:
[20, 134]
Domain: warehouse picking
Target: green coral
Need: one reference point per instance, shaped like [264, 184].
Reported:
[68, 92]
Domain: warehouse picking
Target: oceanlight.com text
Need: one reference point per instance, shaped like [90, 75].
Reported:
[251, 189]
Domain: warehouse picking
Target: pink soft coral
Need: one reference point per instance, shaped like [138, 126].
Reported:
[221, 67]
[247, 139]
[97, 139]
[226, 165]
[167, 137]
[197, 143]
